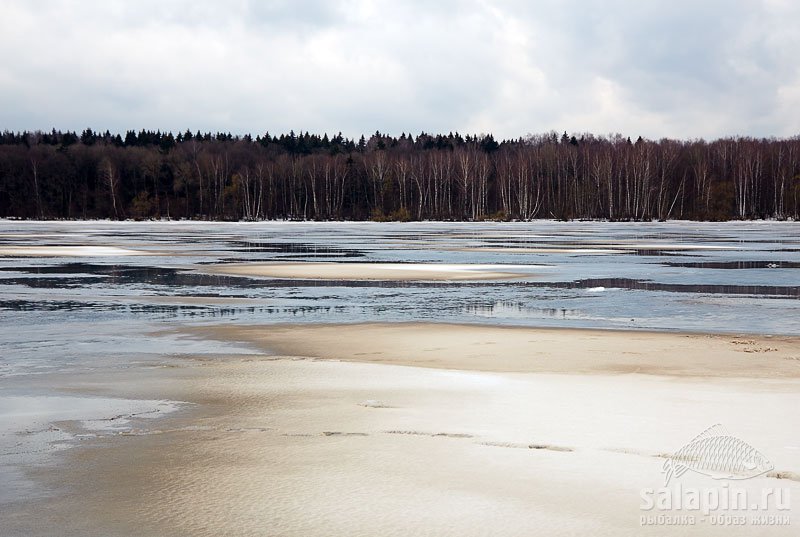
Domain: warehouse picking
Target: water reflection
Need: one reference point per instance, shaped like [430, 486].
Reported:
[165, 310]
[304, 249]
[119, 275]
[519, 309]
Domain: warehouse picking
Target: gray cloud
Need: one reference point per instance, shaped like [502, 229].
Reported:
[680, 69]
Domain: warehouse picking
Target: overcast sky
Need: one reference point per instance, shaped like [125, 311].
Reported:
[684, 69]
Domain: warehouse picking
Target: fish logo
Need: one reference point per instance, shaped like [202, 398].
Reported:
[717, 454]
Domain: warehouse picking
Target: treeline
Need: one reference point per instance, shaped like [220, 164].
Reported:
[444, 177]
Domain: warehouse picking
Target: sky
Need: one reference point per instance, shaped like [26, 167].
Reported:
[679, 69]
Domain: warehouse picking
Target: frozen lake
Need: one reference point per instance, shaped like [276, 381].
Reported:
[728, 277]
[69, 309]
[91, 298]
[108, 283]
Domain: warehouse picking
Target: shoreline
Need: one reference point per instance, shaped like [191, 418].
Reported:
[11, 219]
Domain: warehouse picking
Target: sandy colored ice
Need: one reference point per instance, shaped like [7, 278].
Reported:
[372, 271]
[336, 430]
[521, 350]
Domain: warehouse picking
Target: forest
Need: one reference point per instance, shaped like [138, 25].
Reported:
[155, 175]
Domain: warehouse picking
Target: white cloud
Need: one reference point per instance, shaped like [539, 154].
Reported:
[680, 68]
